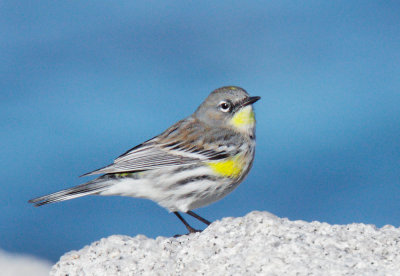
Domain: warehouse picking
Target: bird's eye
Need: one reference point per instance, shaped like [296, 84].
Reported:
[225, 106]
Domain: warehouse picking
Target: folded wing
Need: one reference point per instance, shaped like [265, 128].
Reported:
[171, 148]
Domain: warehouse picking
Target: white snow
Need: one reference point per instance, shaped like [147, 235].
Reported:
[257, 244]
[22, 265]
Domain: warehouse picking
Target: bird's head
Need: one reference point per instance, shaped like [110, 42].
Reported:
[228, 107]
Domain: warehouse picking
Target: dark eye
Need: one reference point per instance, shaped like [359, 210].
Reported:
[225, 106]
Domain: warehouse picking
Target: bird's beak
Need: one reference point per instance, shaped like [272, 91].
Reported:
[250, 100]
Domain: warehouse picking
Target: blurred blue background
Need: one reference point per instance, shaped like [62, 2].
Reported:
[82, 82]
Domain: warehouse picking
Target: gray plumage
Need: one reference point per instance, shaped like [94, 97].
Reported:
[173, 168]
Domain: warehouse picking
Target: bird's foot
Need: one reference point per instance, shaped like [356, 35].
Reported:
[191, 230]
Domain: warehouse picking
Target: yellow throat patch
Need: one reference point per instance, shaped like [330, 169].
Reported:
[244, 118]
[231, 167]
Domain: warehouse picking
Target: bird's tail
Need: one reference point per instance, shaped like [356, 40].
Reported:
[89, 188]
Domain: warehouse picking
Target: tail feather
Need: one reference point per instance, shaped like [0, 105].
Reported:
[92, 187]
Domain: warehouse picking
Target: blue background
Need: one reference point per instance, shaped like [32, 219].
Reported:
[83, 81]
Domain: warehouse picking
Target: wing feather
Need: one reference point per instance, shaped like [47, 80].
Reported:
[174, 147]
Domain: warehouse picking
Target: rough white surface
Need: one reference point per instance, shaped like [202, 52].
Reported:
[259, 243]
[22, 265]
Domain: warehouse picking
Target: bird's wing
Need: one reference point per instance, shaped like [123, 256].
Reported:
[166, 150]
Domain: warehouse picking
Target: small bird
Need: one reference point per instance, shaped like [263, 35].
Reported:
[195, 162]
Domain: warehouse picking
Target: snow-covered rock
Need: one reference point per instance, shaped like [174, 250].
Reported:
[257, 244]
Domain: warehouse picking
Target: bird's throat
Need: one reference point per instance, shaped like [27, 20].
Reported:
[244, 120]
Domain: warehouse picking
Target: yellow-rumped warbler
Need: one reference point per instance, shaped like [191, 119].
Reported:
[195, 162]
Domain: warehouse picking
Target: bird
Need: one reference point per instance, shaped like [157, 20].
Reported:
[195, 162]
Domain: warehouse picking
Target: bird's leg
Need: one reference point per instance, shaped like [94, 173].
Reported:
[203, 220]
[189, 228]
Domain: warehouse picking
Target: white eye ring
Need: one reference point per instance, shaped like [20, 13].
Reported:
[225, 106]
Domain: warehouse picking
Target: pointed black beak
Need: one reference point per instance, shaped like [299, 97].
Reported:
[250, 100]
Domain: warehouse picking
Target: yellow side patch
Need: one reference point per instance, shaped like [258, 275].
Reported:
[123, 174]
[244, 118]
[231, 167]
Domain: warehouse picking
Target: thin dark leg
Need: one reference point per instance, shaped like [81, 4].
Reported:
[190, 228]
[203, 220]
